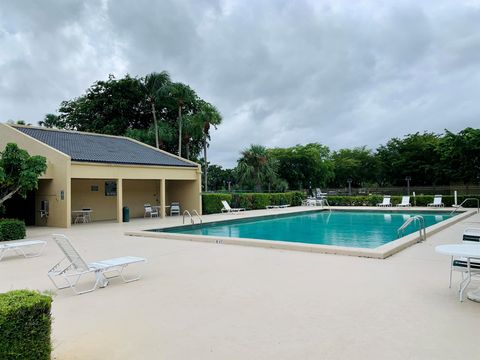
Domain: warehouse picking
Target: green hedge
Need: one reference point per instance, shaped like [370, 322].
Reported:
[212, 202]
[11, 229]
[25, 324]
[420, 200]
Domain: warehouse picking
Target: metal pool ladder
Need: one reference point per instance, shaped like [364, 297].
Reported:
[417, 219]
[464, 201]
[195, 212]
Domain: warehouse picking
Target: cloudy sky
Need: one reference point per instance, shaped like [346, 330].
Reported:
[342, 73]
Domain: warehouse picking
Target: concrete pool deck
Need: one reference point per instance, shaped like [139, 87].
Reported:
[209, 301]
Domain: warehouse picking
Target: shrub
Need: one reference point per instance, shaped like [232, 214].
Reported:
[11, 229]
[212, 202]
[419, 200]
[25, 321]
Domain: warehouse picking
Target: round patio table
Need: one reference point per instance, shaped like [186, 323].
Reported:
[468, 251]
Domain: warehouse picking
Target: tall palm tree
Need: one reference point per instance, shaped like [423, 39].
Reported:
[182, 96]
[254, 166]
[154, 83]
[206, 117]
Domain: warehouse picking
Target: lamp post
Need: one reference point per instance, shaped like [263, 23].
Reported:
[407, 179]
[349, 180]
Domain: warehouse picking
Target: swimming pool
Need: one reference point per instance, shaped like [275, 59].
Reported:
[358, 229]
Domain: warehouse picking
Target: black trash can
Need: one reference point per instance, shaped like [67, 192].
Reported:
[126, 214]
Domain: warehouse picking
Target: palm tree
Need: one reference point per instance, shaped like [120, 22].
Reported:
[154, 83]
[206, 117]
[255, 166]
[181, 95]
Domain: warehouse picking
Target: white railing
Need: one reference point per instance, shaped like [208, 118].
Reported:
[195, 212]
[186, 212]
[417, 219]
[464, 201]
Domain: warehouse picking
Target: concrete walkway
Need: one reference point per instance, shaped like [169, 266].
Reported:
[207, 301]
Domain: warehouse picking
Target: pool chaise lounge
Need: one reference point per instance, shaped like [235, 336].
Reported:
[437, 202]
[277, 206]
[228, 209]
[72, 267]
[470, 236]
[386, 201]
[405, 202]
[21, 246]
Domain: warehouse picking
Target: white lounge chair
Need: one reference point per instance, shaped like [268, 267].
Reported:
[20, 247]
[277, 206]
[405, 202]
[386, 201]
[228, 209]
[437, 201]
[150, 211]
[470, 236]
[72, 267]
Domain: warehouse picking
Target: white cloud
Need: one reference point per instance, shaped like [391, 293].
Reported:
[341, 73]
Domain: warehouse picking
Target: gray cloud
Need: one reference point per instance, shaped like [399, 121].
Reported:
[337, 72]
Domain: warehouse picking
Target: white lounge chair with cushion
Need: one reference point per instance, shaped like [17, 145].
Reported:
[150, 211]
[386, 201]
[470, 236]
[228, 209]
[437, 201]
[72, 267]
[405, 202]
[20, 247]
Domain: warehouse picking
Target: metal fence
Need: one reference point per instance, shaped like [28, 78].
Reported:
[403, 190]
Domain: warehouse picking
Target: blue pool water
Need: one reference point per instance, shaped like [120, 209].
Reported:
[343, 228]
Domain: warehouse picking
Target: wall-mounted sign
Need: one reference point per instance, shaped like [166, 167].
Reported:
[94, 188]
[62, 195]
[110, 188]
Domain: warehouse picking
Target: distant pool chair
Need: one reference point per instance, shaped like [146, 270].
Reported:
[228, 209]
[150, 211]
[437, 202]
[386, 201]
[470, 236]
[20, 247]
[405, 202]
[174, 208]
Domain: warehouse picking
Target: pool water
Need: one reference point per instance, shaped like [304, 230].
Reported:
[342, 228]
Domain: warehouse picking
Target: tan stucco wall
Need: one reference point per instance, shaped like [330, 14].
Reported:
[103, 207]
[136, 193]
[58, 173]
[185, 192]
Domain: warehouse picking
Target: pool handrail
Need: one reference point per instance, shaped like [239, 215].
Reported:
[464, 201]
[421, 222]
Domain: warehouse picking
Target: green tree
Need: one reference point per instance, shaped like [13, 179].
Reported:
[416, 155]
[154, 83]
[51, 121]
[358, 164]
[460, 156]
[183, 98]
[255, 167]
[19, 171]
[206, 117]
[303, 166]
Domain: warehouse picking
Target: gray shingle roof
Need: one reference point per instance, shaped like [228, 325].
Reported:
[102, 149]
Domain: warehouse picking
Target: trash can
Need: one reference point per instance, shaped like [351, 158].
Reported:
[126, 214]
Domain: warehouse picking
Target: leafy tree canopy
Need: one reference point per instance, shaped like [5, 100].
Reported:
[19, 171]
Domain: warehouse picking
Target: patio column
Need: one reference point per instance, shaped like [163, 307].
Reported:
[119, 200]
[162, 198]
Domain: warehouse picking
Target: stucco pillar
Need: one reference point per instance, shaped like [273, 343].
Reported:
[119, 200]
[162, 198]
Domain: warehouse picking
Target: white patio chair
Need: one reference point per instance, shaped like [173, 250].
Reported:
[174, 208]
[405, 202]
[20, 247]
[470, 236]
[437, 201]
[228, 209]
[72, 267]
[150, 211]
[386, 201]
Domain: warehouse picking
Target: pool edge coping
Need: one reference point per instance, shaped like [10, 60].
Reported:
[381, 252]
